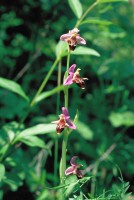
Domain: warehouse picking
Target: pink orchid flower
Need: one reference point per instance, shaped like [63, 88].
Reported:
[74, 169]
[64, 121]
[72, 38]
[74, 77]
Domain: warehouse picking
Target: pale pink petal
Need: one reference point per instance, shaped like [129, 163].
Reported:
[73, 159]
[71, 69]
[75, 30]
[69, 80]
[80, 40]
[64, 37]
[65, 112]
[70, 170]
[70, 124]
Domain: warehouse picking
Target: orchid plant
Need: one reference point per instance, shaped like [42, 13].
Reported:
[64, 125]
[64, 122]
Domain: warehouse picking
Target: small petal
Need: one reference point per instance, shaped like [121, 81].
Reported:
[65, 112]
[70, 124]
[55, 122]
[69, 80]
[64, 37]
[80, 40]
[71, 69]
[70, 170]
[75, 30]
[73, 159]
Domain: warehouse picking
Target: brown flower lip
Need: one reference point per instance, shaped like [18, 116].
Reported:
[74, 168]
[64, 121]
[74, 77]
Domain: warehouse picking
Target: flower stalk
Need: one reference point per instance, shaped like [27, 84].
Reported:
[72, 38]
[44, 82]
[65, 135]
[63, 159]
[56, 139]
[86, 12]
[66, 88]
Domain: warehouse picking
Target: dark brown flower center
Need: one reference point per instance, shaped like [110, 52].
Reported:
[61, 124]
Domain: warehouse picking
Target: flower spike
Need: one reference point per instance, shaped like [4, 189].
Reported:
[73, 38]
[64, 121]
[74, 77]
[74, 169]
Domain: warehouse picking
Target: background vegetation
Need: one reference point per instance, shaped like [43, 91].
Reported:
[29, 33]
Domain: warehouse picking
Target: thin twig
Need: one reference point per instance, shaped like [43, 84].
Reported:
[27, 65]
[102, 158]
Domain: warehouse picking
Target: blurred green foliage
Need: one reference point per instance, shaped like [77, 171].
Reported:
[29, 33]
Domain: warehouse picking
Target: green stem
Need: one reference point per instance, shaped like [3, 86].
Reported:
[64, 147]
[65, 135]
[55, 160]
[44, 82]
[68, 59]
[86, 12]
[56, 140]
[58, 84]
[66, 88]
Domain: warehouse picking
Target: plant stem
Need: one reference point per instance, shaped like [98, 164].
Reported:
[66, 88]
[58, 84]
[56, 139]
[39, 91]
[44, 82]
[65, 135]
[86, 12]
[64, 146]
[55, 160]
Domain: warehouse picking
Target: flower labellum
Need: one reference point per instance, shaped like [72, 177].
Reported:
[64, 121]
[72, 38]
[74, 77]
[74, 169]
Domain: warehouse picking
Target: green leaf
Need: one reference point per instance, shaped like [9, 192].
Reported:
[13, 86]
[85, 51]
[76, 7]
[14, 179]
[4, 149]
[73, 185]
[33, 141]
[84, 131]
[112, 1]
[36, 130]
[114, 89]
[2, 171]
[96, 21]
[45, 95]
[61, 49]
[122, 119]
